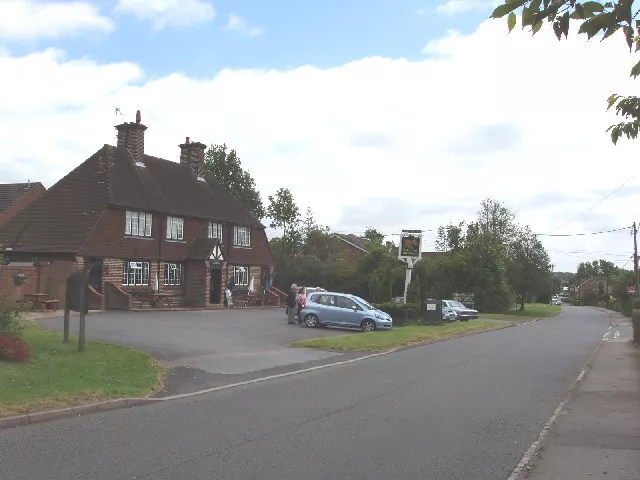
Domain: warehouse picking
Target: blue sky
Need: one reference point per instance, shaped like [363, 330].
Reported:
[323, 33]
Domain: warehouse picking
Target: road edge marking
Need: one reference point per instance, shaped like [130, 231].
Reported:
[534, 448]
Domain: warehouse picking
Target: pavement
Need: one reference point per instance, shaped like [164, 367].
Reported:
[465, 408]
[597, 434]
[209, 348]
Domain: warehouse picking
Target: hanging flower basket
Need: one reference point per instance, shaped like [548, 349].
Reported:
[20, 278]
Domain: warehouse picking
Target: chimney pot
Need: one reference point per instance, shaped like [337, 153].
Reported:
[131, 137]
[192, 154]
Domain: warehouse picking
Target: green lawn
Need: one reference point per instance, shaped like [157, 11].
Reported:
[531, 310]
[396, 337]
[58, 375]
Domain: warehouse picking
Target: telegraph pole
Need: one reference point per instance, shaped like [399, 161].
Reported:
[635, 257]
[551, 287]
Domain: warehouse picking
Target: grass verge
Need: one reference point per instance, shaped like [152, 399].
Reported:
[59, 376]
[531, 310]
[396, 337]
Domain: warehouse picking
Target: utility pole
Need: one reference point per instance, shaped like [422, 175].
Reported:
[635, 257]
[551, 287]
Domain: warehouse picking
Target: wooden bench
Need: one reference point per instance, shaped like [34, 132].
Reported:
[51, 304]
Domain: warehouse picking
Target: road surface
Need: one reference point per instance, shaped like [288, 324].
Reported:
[461, 409]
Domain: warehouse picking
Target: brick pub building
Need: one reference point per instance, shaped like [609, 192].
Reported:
[140, 222]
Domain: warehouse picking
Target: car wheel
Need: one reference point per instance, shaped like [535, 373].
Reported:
[311, 321]
[368, 325]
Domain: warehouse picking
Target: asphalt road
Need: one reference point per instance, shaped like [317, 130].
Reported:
[210, 348]
[466, 408]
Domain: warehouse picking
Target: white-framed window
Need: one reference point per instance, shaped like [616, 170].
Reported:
[242, 236]
[137, 224]
[215, 230]
[240, 275]
[175, 228]
[173, 274]
[135, 273]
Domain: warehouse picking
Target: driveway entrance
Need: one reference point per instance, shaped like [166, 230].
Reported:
[207, 348]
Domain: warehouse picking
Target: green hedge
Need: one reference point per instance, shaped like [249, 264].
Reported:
[396, 310]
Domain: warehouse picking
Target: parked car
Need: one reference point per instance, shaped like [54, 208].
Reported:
[461, 311]
[307, 291]
[331, 309]
[449, 315]
[556, 301]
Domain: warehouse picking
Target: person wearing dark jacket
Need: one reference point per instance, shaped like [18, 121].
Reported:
[292, 303]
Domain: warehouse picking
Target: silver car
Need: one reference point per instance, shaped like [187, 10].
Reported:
[461, 311]
[330, 309]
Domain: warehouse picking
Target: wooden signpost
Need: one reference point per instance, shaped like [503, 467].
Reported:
[76, 300]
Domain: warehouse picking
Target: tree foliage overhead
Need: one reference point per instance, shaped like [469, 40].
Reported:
[594, 18]
[226, 167]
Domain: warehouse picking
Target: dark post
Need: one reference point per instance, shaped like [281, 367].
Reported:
[635, 258]
[83, 310]
[67, 311]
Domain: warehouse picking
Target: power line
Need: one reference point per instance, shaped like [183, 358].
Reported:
[592, 206]
[579, 234]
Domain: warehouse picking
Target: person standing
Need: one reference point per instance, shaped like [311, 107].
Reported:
[302, 302]
[229, 292]
[292, 302]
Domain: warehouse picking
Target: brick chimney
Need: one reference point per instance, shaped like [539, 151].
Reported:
[131, 136]
[192, 154]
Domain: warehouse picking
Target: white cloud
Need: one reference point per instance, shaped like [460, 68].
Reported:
[452, 7]
[27, 19]
[420, 143]
[238, 24]
[168, 13]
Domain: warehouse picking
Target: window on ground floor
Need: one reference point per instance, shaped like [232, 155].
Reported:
[173, 274]
[135, 273]
[240, 275]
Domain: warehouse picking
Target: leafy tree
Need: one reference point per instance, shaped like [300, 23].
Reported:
[283, 211]
[528, 265]
[594, 17]
[607, 271]
[450, 238]
[495, 220]
[226, 167]
[587, 270]
[308, 223]
[373, 237]
[380, 274]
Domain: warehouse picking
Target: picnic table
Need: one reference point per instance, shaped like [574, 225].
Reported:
[41, 301]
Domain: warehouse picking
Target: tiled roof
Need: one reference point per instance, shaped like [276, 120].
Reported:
[11, 192]
[61, 219]
[358, 242]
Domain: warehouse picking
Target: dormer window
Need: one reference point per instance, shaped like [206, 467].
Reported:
[175, 228]
[242, 236]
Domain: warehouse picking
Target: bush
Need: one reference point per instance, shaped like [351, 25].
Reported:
[635, 319]
[10, 318]
[396, 310]
[13, 348]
